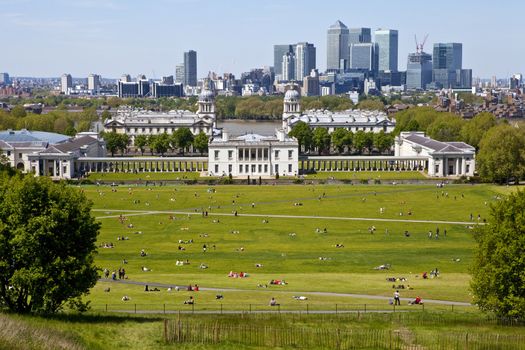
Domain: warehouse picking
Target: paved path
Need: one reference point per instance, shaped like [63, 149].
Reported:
[277, 216]
[350, 295]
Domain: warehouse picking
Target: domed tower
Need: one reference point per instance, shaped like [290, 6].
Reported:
[207, 106]
[292, 107]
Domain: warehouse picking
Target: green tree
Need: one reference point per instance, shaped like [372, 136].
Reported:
[359, 141]
[113, 141]
[201, 142]
[321, 139]
[474, 130]
[182, 138]
[446, 127]
[302, 132]
[383, 141]
[47, 240]
[371, 104]
[501, 155]
[160, 143]
[141, 141]
[497, 272]
[339, 139]
[18, 111]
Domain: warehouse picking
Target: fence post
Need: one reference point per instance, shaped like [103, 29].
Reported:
[164, 308]
[452, 307]
[192, 308]
[221, 308]
[336, 309]
[423, 307]
[365, 308]
[135, 308]
[394, 307]
[307, 309]
[279, 308]
[250, 308]
[106, 307]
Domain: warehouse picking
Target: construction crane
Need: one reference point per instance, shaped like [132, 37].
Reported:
[420, 45]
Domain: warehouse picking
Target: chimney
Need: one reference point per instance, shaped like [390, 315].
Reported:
[225, 136]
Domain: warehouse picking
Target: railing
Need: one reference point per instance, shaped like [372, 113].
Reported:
[177, 331]
[297, 308]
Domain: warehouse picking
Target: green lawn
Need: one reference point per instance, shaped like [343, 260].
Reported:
[290, 248]
[367, 175]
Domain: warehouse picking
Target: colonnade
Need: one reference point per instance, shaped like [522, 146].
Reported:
[140, 165]
[362, 163]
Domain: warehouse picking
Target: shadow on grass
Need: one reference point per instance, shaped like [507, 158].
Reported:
[98, 318]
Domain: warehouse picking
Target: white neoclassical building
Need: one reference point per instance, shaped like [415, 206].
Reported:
[353, 119]
[134, 122]
[445, 159]
[253, 155]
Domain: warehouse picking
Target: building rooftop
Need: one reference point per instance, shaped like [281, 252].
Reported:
[437, 146]
[15, 136]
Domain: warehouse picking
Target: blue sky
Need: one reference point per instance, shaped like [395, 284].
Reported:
[112, 37]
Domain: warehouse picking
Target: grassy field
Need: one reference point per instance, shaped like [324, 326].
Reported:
[289, 240]
[282, 230]
[367, 175]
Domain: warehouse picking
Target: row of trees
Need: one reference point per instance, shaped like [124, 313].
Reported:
[341, 140]
[180, 140]
[59, 121]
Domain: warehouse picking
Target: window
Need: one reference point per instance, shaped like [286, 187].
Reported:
[240, 169]
[19, 155]
[468, 168]
[230, 155]
[216, 155]
[230, 168]
[246, 168]
[277, 168]
[276, 154]
[265, 168]
[265, 156]
[135, 130]
[216, 168]
[241, 153]
[289, 168]
[290, 154]
[437, 169]
[260, 168]
[253, 168]
[143, 130]
[252, 154]
[8, 153]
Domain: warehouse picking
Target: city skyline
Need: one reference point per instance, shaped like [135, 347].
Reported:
[111, 38]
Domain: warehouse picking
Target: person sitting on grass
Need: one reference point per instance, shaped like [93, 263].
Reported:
[190, 301]
[273, 302]
[416, 301]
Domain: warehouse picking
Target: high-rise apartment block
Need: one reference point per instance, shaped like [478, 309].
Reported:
[179, 73]
[66, 84]
[387, 49]
[4, 79]
[304, 60]
[190, 68]
[278, 52]
[337, 47]
[94, 83]
[288, 66]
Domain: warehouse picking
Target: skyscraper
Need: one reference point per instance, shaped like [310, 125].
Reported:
[278, 52]
[387, 47]
[304, 60]
[190, 68]
[337, 46]
[362, 56]
[447, 70]
[419, 70]
[66, 83]
[288, 66]
[359, 36]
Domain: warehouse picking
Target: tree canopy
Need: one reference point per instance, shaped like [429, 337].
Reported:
[498, 281]
[501, 155]
[47, 245]
[302, 132]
